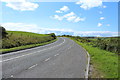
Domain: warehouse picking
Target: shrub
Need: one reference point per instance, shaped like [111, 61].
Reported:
[3, 32]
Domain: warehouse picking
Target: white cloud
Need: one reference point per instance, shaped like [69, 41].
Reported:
[96, 33]
[34, 28]
[13, 0]
[21, 5]
[58, 17]
[87, 4]
[69, 14]
[79, 19]
[58, 11]
[20, 27]
[72, 17]
[102, 18]
[104, 6]
[63, 9]
[99, 24]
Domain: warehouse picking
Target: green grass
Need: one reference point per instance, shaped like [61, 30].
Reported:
[106, 63]
[19, 33]
[17, 40]
[25, 47]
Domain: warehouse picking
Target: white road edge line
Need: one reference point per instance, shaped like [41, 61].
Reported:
[47, 59]
[33, 53]
[88, 65]
[32, 66]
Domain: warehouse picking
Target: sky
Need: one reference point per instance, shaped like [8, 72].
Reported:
[78, 18]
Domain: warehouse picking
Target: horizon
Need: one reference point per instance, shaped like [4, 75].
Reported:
[98, 19]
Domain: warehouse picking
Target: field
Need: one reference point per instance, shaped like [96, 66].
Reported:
[104, 63]
[16, 40]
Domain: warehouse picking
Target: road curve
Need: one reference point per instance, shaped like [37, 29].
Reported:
[61, 59]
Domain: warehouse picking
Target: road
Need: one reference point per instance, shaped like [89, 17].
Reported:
[61, 59]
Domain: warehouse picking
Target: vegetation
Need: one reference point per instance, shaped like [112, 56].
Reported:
[24, 47]
[105, 43]
[104, 62]
[53, 35]
[15, 40]
[3, 32]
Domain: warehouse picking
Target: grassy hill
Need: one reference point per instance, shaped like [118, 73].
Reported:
[17, 40]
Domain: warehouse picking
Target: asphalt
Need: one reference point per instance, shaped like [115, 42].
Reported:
[61, 59]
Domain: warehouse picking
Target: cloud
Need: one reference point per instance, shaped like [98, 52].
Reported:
[96, 33]
[12, 0]
[72, 17]
[88, 4]
[34, 28]
[104, 6]
[58, 17]
[69, 14]
[63, 9]
[58, 11]
[79, 19]
[99, 24]
[102, 18]
[21, 5]
[20, 27]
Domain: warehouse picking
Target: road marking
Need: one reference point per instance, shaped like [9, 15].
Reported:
[88, 63]
[47, 59]
[33, 52]
[32, 66]
[16, 57]
[56, 55]
[69, 47]
[11, 76]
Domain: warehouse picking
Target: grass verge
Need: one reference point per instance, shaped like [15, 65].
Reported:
[105, 64]
[25, 47]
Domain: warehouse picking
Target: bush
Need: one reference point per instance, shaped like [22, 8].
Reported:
[53, 35]
[106, 43]
[3, 32]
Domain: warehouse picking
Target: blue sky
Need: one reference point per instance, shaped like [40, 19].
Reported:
[74, 18]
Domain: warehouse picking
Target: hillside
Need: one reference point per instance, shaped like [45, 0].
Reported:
[19, 38]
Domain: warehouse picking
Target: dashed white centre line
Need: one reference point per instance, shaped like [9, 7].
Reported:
[47, 59]
[32, 53]
[56, 55]
[32, 66]
[11, 76]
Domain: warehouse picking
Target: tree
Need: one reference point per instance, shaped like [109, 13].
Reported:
[3, 32]
[53, 35]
